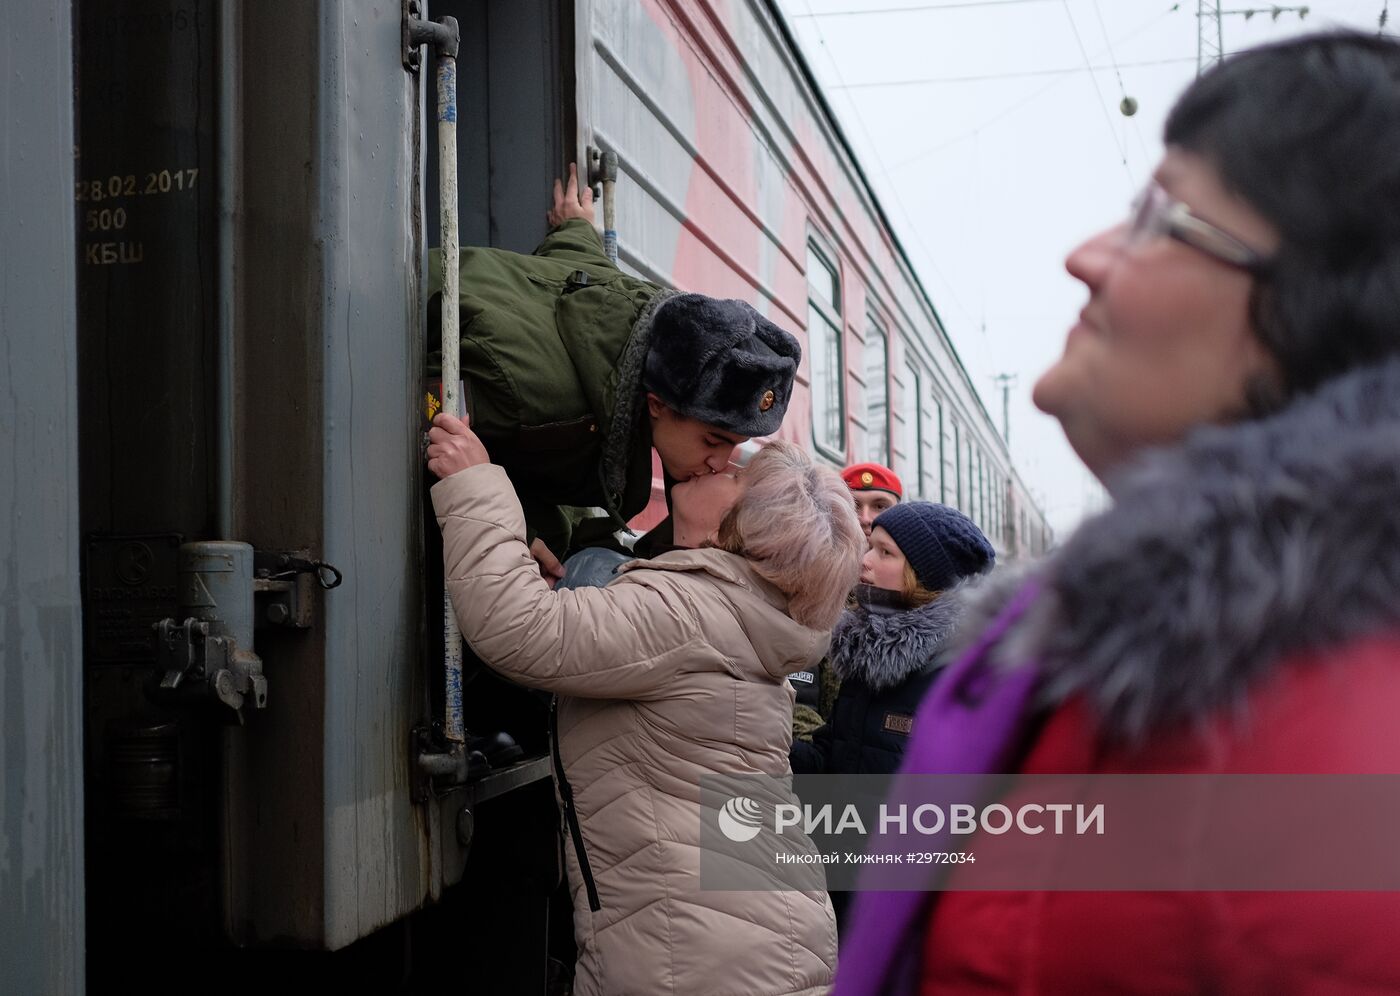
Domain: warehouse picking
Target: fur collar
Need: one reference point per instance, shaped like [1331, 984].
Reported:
[629, 411]
[883, 648]
[1222, 556]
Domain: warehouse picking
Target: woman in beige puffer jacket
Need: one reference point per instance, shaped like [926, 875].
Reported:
[675, 670]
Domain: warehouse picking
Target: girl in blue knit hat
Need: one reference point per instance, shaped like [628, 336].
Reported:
[888, 646]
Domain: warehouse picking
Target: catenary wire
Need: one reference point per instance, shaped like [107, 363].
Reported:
[1023, 74]
[963, 4]
[1118, 72]
[1103, 104]
[912, 228]
[1013, 108]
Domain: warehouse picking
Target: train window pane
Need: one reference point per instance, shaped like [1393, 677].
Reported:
[996, 502]
[828, 365]
[910, 440]
[928, 467]
[981, 491]
[942, 484]
[823, 286]
[991, 498]
[979, 507]
[828, 416]
[971, 492]
[975, 485]
[958, 466]
[877, 399]
[972, 478]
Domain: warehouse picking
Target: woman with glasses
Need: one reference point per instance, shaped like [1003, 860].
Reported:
[1234, 380]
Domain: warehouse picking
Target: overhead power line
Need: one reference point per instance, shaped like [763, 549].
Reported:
[1128, 106]
[1066, 71]
[913, 229]
[1103, 106]
[961, 4]
[1011, 109]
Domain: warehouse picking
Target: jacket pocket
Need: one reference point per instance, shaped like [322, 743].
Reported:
[558, 460]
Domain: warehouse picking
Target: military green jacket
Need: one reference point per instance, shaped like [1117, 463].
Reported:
[552, 350]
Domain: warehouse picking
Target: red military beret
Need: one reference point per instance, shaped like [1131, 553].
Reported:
[872, 477]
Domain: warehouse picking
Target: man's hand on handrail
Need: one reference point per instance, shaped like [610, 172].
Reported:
[571, 202]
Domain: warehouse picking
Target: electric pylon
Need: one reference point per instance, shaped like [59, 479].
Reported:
[1210, 41]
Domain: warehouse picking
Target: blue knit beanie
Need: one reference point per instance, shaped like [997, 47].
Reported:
[941, 544]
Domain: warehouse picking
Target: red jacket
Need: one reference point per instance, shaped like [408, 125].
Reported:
[1331, 712]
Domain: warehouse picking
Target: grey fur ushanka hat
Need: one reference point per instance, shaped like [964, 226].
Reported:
[721, 362]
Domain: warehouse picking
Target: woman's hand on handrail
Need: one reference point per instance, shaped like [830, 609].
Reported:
[452, 446]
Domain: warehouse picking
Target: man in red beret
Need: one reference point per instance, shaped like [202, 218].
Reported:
[875, 488]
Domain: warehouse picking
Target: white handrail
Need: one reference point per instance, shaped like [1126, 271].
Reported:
[451, 339]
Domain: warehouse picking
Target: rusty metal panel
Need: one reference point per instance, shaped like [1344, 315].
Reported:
[274, 767]
[325, 844]
[41, 800]
[369, 233]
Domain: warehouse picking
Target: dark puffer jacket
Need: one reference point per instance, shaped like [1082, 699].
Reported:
[886, 656]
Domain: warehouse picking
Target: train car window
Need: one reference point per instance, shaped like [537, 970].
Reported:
[998, 496]
[824, 348]
[991, 474]
[932, 415]
[996, 502]
[1001, 504]
[958, 467]
[974, 490]
[877, 396]
[971, 507]
[993, 512]
[977, 508]
[911, 442]
[981, 490]
[942, 470]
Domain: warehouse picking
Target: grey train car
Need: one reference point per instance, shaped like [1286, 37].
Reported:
[219, 666]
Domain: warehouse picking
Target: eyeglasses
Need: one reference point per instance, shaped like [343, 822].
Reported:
[1156, 212]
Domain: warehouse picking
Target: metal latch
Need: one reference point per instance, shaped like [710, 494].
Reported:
[283, 584]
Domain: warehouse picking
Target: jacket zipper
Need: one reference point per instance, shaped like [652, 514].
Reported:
[566, 795]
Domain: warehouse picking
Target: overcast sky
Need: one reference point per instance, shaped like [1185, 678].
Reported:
[995, 149]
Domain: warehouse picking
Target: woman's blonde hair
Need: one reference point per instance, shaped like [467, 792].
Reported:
[797, 525]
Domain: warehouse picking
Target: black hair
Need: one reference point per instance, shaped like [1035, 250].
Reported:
[1307, 132]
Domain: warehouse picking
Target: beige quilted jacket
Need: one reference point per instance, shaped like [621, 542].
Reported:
[675, 670]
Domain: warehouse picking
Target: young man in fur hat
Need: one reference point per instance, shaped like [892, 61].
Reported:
[575, 371]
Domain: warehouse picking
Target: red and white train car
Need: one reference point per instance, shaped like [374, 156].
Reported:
[735, 180]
